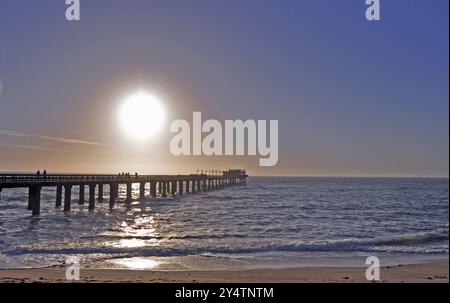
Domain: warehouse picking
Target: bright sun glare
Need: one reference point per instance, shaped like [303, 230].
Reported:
[141, 116]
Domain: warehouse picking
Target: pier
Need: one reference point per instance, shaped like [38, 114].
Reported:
[159, 186]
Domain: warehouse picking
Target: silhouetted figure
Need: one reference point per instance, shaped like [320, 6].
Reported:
[44, 174]
[38, 174]
[136, 175]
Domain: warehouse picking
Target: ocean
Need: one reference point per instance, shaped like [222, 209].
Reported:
[272, 222]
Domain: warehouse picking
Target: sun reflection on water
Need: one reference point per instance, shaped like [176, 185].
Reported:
[139, 232]
[137, 263]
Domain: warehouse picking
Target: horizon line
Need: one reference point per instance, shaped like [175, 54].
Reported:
[250, 175]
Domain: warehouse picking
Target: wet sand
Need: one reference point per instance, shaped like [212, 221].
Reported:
[436, 272]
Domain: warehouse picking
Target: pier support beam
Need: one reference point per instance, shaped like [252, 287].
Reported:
[142, 190]
[58, 196]
[112, 195]
[30, 198]
[67, 197]
[116, 190]
[187, 186]
[180, 187]
[174, 188]
[100, 192]
[36, 200]
[164, 189]
[128, 199]
[91, 196]
[153, 189]
[81, 199]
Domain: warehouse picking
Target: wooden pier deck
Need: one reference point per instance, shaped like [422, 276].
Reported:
[160, 185]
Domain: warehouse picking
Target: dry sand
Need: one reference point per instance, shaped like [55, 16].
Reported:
[436, 272]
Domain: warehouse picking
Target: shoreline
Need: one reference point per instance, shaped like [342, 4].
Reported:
[433, 272]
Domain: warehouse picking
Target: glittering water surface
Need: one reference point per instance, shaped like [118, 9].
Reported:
[268, 222]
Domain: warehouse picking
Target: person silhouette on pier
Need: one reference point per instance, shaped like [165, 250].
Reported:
[44, 174]
[38, 174]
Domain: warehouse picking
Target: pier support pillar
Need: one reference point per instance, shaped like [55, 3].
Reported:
[173, 188]
[91, 196]
[58, 196]
[153, 189]
[67, 197]
[116, 190]
[100, 193]
[30, 198]
[187, 186]
[36, 200]
[142, 190]
[180, 187]
[128, 199]
[112, 195]
[81, 199]
[164, 189]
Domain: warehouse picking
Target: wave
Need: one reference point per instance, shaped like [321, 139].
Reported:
[169, 237]
[412, 240]
[401, 244]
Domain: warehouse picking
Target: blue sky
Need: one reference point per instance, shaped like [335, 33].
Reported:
[352, 97]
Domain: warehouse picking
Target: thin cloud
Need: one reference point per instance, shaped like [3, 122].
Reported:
[56, 139]
[12, 133]
[69, 140]
[34, 147]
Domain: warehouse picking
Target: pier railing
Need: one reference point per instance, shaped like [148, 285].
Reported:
[21, 178]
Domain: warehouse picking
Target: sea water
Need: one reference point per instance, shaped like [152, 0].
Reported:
[270, 222]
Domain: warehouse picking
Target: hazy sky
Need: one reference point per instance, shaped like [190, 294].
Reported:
[352, 97]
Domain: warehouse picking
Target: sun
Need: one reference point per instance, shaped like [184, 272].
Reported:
[141, 116]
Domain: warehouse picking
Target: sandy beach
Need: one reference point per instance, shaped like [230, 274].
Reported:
[436, 272]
